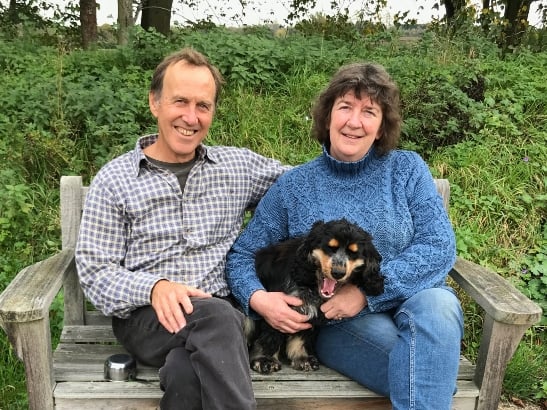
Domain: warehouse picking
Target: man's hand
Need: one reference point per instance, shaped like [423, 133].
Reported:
[169, 299]
[275, 308]
[347, 302]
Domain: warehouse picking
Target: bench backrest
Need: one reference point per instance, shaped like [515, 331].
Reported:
[73, 194]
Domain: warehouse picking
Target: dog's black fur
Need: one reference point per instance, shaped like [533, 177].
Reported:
[310, 267]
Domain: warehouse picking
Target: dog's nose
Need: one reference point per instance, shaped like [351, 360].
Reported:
[338, 265]
[338, 271]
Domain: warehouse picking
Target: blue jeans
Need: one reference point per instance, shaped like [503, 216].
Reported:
[410, 354]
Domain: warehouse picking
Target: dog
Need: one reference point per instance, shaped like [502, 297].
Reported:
[311, 267]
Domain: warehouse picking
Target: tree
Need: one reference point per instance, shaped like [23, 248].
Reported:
[157, 14]
[125, 20]
[515, 22]
[515, 17]
[88, 22]
[453, 7]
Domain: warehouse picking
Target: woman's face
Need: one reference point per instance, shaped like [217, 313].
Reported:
[354, 126]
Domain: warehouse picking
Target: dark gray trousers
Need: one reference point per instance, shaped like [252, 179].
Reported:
[203, 366]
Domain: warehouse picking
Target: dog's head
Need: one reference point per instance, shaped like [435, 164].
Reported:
[343, 253]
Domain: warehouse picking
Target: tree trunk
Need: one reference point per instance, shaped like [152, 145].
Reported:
[12, 12]
[88, 22]
[484, 17]
[516, 16]
[450, 9]
[157, 14]
[453, 8]
[125, 20]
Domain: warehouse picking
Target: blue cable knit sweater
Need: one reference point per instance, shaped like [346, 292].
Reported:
[393, 197]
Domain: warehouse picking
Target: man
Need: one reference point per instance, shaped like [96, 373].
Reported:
[157, 224]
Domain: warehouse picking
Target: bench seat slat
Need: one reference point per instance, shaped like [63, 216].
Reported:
[78, 364]
[276, 389]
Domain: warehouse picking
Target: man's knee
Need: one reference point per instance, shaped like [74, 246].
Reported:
[220, 313]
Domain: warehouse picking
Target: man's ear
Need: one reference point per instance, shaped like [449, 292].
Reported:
[153, 104]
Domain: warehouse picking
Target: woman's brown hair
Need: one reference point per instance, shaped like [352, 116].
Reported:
[365, 80]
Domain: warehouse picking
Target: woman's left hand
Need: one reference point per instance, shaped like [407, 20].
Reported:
[347, 302]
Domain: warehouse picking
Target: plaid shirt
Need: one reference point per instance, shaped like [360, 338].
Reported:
[138, 227]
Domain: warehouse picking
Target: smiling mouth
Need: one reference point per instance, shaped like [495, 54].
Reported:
[185, 132]
[353, 137]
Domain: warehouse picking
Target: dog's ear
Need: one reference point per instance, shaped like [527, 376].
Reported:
[310, 241]
[373, 281]
[372, 263]
[317, 225]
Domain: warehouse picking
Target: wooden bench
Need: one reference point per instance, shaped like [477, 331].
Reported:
[71, 377]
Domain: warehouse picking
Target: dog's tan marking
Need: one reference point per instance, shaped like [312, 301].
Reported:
[353, 247]
[325, 262]
[333, 243]
[353, 264]
[295, 348]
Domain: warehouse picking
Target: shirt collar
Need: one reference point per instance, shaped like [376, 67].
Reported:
[203, 152]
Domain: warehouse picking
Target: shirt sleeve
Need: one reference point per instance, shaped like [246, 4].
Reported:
[100, 254]
[263, 173]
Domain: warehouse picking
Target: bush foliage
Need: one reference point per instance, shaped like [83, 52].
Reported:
[478, 119]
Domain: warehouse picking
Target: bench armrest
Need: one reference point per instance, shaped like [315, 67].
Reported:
[24, 315]
[499, 299]
[29, 295]
[508, 314]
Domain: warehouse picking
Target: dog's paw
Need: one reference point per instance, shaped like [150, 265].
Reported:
[305, 364]
[265, 365]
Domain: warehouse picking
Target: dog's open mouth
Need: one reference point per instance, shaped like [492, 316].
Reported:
[328, 288]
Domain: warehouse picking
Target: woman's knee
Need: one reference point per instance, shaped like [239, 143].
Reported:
[435, 308]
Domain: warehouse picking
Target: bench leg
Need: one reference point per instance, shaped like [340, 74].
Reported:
[499, 342]
[32, 344]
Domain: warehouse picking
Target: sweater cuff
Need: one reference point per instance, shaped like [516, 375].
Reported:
[254, 287]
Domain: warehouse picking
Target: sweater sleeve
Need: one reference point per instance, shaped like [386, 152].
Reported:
[268, 225]
[431, 253]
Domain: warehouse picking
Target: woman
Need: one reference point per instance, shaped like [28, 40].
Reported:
[404, 343]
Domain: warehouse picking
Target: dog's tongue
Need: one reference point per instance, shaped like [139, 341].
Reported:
[327, 290]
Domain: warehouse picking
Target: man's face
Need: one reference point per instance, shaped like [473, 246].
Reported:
[184, 112]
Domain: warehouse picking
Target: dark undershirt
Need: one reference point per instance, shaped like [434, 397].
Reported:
[181, 170]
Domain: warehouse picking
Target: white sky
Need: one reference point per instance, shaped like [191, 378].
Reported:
[419, 9]
[108, 10]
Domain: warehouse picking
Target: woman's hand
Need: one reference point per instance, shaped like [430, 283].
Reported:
[275, 308]
[346, 302]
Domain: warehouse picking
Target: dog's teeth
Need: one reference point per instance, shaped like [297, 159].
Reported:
[327, 288]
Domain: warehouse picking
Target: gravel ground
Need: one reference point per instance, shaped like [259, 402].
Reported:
[517, 405]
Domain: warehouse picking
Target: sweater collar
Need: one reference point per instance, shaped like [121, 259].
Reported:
[345, 167]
